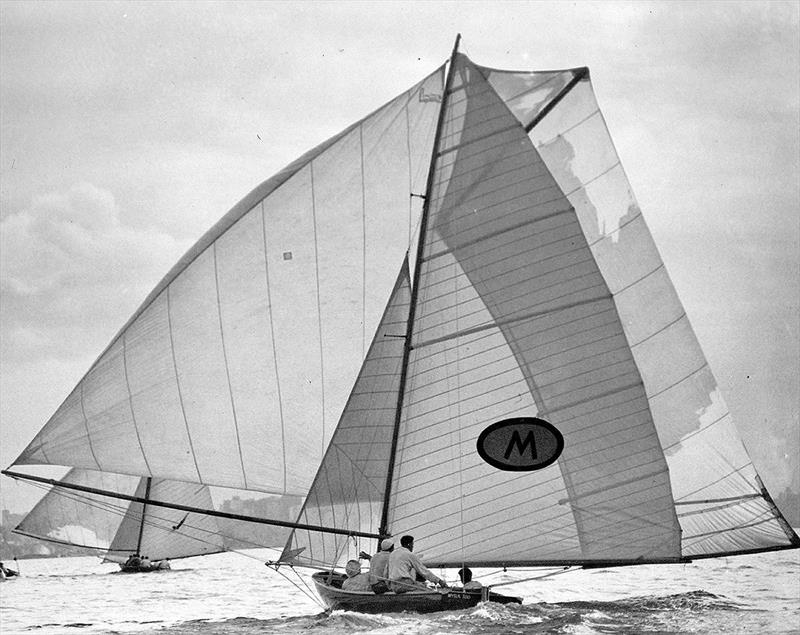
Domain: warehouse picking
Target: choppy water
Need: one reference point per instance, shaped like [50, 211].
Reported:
[235, 593]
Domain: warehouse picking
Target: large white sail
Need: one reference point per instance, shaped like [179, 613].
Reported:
[350, 487]
[236, 368]
[539, 293]
[120, 527]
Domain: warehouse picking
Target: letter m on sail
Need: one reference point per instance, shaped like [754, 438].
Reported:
[517, 442]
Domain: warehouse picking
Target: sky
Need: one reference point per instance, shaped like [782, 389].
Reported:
[127, 129]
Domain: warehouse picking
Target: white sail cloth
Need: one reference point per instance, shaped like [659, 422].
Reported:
[236, 368]
[540, 293]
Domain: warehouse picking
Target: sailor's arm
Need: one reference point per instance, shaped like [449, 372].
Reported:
[425, 572]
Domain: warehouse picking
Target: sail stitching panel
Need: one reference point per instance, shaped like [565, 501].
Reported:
[319, 304]
[227, 368]
[363, 244]
[272, 339]
[130, 401]
[88, 431]
[178, 384]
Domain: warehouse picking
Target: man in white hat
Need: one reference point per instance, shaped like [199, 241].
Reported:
[379, 566]
[356, 581]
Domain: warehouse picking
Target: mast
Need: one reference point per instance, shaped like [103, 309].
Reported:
[383, 529]
[144, 511]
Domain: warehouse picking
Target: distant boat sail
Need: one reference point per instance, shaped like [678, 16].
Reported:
[536, 327]
[120, 530]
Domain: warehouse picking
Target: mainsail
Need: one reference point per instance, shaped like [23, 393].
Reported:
[539, 293]
[536, 295]
[120, 529]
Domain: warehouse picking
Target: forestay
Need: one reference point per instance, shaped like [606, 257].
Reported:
[539, 293]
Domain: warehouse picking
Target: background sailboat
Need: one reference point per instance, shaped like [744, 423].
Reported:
[119, 529]
[537, 292]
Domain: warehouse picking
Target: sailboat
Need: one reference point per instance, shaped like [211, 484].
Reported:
[448, 321]
[138, 536]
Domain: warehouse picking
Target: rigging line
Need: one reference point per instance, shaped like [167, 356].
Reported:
[130, 400]
[319, 304]
[703, 366]
[409, 165]
[272, 338]
[637, 281]
[303, 589]
[415, 285]
[363, 244]
[208, 512]
[567, 569]
[585, 184]
[178, 383]
[227, 365]
[698, 431]
[733, 472]
[86, 424]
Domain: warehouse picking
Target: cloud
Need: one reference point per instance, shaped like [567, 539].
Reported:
[71, 272]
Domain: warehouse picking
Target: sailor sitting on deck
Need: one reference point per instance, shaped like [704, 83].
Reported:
[379, 566]
[465, 574]
[404, 566]
[356, 581]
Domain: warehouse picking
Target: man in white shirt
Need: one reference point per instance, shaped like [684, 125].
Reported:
[404, 567]
[379, 566]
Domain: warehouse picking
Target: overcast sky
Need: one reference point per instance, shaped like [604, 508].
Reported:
[128, 129]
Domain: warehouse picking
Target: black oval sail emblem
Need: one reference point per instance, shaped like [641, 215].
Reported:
[520, 444]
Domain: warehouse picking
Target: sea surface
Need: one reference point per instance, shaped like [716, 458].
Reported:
[235, 593]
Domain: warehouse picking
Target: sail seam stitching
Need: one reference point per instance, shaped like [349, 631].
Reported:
[178, 383]
[86, 425]
[319, 305]
[130, 400]
[227, 365]
[272, 338]
[515, 320]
